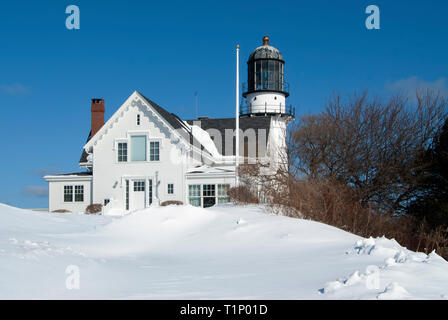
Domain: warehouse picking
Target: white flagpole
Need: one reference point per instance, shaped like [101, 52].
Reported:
[237, 115]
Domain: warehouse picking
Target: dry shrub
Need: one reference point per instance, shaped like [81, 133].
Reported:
[433, 239]
[94, 208]
[242, 195]
[171, 202]
[336, 204]
[61, 211]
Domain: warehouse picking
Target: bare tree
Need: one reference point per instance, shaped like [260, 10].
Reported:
[368, 145]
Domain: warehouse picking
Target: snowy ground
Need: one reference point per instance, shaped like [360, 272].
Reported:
[217, 253]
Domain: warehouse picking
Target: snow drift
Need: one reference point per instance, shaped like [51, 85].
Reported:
[224, 252]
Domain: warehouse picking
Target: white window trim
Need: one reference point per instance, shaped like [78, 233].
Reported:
[115, 150]
[160, 149]
[201, 188]
[127, 140]
[73, 193]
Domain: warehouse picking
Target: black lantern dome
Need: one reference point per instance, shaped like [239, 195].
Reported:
[265, 70]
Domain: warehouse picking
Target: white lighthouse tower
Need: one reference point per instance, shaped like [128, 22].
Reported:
[265, 93]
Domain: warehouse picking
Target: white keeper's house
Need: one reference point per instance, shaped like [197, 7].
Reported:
[145, 155]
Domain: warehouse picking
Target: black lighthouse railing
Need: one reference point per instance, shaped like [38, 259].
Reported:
[267, 109]
[266, 85]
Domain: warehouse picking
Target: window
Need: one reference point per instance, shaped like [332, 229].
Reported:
[127, 194]
[208, 192]
[264, 74]
[194, 194]
[154, 148]
[150, 191]
[79, 193]
[258, 75]
[122, 152]
[170, 188]
[138, 148]
[139, 185]
[138, 119]
[68, 193]
[223, 197]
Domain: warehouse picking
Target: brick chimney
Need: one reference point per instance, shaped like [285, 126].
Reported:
[97, 115]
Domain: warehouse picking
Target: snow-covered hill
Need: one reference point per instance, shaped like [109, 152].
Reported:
[225, 252]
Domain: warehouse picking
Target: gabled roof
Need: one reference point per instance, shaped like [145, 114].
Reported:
[84, 154]
[256, 123]
[172, 119]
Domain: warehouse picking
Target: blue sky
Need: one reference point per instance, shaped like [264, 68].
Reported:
[170, 49]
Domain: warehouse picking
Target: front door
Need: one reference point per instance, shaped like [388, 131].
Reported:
[138, 196]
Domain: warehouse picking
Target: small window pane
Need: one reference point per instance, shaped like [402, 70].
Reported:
[79, 193]
[122, 152]
[127, 194]
[208, 190]
[139, 185]
[170, 188]
[194, 195]
[154, 151]
[194, 190]
[150, 191]
[68, 193]
[195, 201]
[223, 193]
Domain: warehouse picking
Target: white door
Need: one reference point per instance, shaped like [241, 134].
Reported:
[138, 194]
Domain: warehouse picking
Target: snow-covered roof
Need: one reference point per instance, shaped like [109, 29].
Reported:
[85, 175]
[208, 169]
[198, 136]
[266, 52]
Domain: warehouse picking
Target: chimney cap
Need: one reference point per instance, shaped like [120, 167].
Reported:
[97, 100]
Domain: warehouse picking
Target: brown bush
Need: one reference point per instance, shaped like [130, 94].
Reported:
[336, 204]
[171, 202]
[243, 195]
[61, 211]
[94, 208]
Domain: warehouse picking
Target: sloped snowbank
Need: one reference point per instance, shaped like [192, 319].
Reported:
[183, 252]
[397, 266]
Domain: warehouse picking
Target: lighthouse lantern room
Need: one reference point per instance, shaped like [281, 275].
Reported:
[266, 90]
